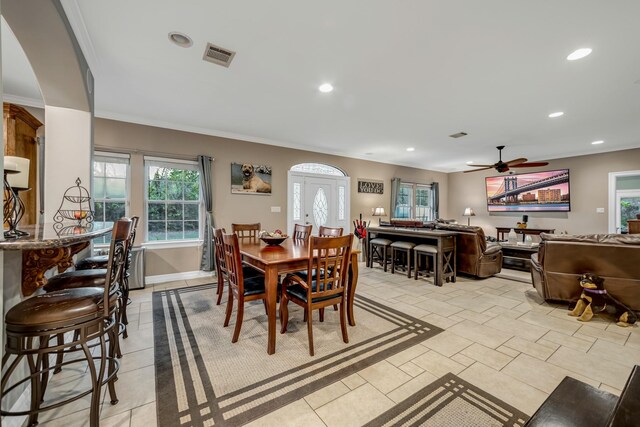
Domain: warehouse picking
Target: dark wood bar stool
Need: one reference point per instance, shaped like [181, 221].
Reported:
[378, 248]
[89, 314]
[430, 254]
[405, 249]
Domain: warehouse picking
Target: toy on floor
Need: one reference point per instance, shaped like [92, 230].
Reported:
[595, 299]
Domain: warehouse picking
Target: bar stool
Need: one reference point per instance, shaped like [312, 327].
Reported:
[402, 247]
[427, 251]
[89, 314]
[378, 248]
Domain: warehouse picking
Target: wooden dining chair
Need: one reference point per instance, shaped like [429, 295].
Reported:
[301, 232]
[240, 288]
[329, 231]
[246, 230]
[221, 263]
[330, 256]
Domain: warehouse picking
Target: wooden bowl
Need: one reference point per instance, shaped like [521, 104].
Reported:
[273, 241]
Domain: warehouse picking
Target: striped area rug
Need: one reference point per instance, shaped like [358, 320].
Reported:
[202, 379]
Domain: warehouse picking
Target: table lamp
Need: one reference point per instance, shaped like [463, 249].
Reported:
[379, 212]
[469, 213]
[16, 179]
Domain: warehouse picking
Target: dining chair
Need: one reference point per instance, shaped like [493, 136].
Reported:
[329, 231]
[301, 232]
[246, 230]
[221, 263]
[241, 288]
[332, 257]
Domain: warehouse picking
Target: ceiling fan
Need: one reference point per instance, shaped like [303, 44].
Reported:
[501, 166]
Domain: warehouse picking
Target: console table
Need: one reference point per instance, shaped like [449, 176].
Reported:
[501, 231]
[442, 238]
[517, 257]
[46, 247]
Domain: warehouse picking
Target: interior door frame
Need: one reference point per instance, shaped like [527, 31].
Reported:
[290, 182]
[613, 197]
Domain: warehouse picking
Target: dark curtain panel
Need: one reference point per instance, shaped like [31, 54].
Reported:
[207, 263]
[395, 192]
[435, 187]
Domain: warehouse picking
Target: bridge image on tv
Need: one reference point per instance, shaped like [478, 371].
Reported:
[536, 191]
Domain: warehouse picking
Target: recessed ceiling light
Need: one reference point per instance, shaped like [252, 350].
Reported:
[368, 153]
[180, 39]
[411, 149]
[597, 142]
[470, 162]
[325, 87]
[579, 54]
[556, 114]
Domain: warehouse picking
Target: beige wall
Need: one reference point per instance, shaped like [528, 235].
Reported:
[589, 177]
[240, 208]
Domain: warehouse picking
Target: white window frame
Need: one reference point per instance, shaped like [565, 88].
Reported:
[174, 164]
[613, 210]
[412, 209]
[104, 156]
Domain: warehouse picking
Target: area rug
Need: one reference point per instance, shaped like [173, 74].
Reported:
[450, 401]
[202, 379]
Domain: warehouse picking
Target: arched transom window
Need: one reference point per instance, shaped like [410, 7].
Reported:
[318, 168]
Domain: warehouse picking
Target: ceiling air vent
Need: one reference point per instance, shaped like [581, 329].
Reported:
[458, 135]
[218, 55]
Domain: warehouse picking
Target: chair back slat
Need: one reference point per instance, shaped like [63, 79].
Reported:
[246, 230]
[302, 232]
[329, 259]
[329, 231]
[233, 262]
[218, 244]
[118, 254]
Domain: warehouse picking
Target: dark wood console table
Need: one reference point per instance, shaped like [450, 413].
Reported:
[501, 231]
[443, 238]
[45, 248]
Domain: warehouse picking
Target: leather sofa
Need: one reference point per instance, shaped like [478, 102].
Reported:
[561, 259]
[473, 256]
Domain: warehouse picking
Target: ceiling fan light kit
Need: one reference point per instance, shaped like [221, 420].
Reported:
[501, 166]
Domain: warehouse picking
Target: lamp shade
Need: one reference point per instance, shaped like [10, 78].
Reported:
[469, 212]
[379, 211]
[18, 180]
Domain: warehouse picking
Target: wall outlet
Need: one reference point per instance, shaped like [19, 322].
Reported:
[275, 209]
[599, 210]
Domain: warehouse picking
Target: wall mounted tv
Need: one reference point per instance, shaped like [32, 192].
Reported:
[529, 192]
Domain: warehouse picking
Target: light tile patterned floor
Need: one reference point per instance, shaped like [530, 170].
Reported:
[499, 335]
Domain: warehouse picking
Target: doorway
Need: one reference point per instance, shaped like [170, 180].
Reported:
[624, 199]
[317, 198]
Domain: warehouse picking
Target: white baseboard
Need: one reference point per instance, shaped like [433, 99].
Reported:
[162, 278]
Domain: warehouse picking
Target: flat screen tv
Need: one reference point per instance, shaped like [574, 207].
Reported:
[529, 192]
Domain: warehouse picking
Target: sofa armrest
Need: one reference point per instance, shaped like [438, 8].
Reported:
[492, 249]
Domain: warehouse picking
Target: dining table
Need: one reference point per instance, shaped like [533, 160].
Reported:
[288, 257]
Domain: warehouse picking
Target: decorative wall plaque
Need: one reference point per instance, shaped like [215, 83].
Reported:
[370, 186]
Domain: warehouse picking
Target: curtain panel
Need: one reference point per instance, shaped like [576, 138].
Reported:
[435, 188]
[395, 193]
[207, 262]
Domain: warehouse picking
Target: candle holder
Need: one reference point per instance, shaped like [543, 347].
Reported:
[14, 208]
[75, 206]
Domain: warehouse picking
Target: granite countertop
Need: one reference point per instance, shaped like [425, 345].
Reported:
[52, 235]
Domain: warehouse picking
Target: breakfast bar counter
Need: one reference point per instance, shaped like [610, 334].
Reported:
[51, 245]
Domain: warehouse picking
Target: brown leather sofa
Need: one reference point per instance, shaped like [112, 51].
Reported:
[473, 256]
[561, 259]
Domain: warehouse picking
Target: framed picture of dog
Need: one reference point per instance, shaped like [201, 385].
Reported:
[250, 179]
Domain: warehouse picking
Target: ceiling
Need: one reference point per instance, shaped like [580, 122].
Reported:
[406, 74]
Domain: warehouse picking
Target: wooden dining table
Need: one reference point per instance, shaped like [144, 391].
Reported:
[290, 256]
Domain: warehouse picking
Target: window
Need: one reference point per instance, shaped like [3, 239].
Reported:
[173, 200]
[110, 188]
[318, 168]
[414, 201]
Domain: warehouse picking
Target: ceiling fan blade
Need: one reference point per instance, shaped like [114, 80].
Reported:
[480, 169]
[516, 161]
[530, 165]
[482, 166]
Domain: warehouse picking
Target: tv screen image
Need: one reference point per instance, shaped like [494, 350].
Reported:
[529, 192]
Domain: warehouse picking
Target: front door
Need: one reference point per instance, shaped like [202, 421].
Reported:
[318, 200]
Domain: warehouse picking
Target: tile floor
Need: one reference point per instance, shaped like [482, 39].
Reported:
[499, 335]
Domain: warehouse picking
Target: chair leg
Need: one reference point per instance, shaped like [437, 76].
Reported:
[111, 364]
[310, 333]
[335, 307]
[384, 258]
[60, 355]
[35, 387]
[220, 289]
[343, 321]
[239, 317]
[94, 414]
[321, 314]
[305, 317]
[125, 302]
[284, 313]
[229, 308]
[416, 264]
[393, 261]
[409, 263]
